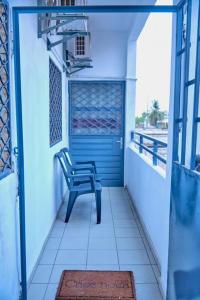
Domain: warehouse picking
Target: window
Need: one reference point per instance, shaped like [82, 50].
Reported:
[153, 72]
[55, 103]
[5, 139]
[80, 45]
[67, 2]
[187, 114]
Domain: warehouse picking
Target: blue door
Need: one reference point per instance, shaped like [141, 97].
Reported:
[97, 126]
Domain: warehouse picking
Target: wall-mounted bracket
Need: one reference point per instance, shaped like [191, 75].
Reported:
[61, 21]
[78, 69]
[54, 26]
[50, 45]
[74, 33]
[82, 66]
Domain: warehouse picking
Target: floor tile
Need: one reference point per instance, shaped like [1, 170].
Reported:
[57, 232]
[81, 217]
[37, 291]
[142, 273]
[129, 244]
[78, 223]
[133, 257]
[117, 239]
[126, 232]
[148, 291]
[101, 231]
[51, 292]
[58, 269]
[102, 243]
[76, 257]
[59, 223]
[48, 257]
[125, 223]
[53, 243]
[123, 215]
[42, 274]
[74, 243]
[76, 232]
[105, 219]
[121, 207]
[103, 257]
[103, 267]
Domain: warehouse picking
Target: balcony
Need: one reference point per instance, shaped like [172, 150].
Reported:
[119, 243]
[92, 113]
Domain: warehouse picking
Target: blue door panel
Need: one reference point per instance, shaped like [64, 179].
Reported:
[109, 170]
[97, 127]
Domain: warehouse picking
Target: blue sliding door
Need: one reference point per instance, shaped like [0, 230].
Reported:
[97, 126]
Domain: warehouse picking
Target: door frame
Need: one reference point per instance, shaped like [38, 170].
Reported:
[16, 13]
[123, 83]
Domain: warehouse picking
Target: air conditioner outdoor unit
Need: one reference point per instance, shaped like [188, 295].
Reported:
[80, 47]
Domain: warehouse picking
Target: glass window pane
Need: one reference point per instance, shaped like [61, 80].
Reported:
[189, 125]
[193, 39]
[198, 149]
[181, 104]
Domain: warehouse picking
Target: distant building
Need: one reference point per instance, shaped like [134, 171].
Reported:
[163, 124]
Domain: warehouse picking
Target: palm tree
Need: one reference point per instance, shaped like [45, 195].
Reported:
[155, 114]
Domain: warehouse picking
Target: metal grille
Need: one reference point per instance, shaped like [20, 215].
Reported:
[55, 92]
[5, 140]
[96, 108]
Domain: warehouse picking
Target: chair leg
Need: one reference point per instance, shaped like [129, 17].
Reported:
[72, 198]
[98, 206]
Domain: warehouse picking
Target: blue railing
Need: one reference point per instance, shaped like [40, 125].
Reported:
[153, 148]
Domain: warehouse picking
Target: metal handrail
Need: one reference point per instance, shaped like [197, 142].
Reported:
[156, 145]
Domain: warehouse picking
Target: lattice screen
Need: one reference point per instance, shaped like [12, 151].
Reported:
[96, 108]
[5, 139]
[55, 109]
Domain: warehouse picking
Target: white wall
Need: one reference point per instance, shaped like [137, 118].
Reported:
[44, 187]
[9, 278]
[108, 52]
[43, 183]
[151, 199]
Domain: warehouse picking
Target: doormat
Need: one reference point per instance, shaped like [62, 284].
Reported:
[96, 285]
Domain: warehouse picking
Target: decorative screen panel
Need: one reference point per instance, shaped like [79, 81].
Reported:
[5, 140]
[55, 109]
[96, 108]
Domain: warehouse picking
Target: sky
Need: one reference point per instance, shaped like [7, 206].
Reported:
[153, 62]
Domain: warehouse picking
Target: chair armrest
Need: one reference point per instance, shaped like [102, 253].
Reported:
[89, 162]
[80, 176]
[84, 168]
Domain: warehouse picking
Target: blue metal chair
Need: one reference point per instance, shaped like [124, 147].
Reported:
[80, 165]
[80, 184]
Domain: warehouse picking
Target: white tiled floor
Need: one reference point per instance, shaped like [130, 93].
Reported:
[118, 243]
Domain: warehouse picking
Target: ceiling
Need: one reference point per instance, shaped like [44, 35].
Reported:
[114, 22]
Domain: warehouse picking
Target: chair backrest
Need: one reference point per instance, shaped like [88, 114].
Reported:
[67, 155]
[65, 167]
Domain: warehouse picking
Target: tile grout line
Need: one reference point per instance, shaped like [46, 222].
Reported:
[114, 229]
[86, 263]
[138, 230]
[55, 261]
